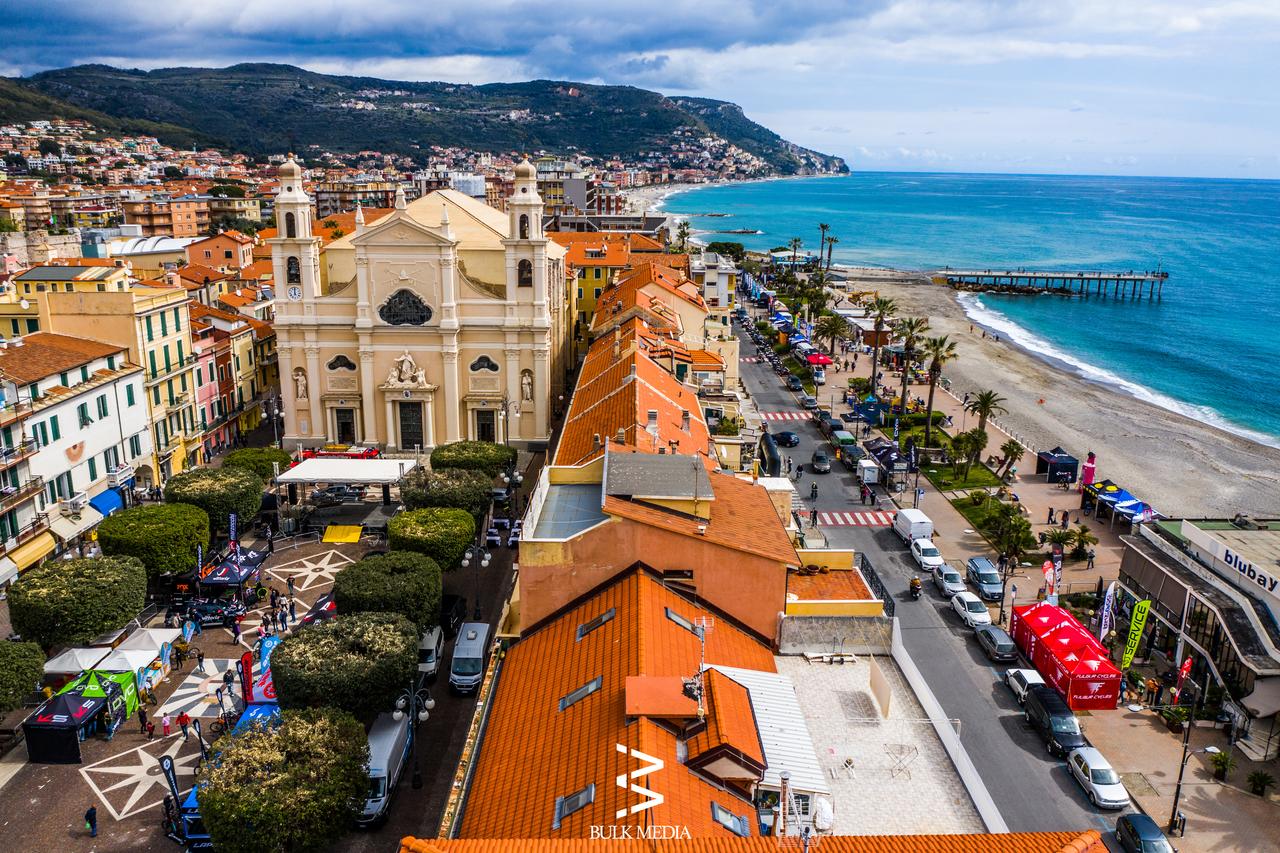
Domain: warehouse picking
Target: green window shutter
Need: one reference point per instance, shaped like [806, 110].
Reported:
[152, 356]
[65, 380]
[93, 469]
[128, 395]
[150, 334]
[53, 425]
[164, 326]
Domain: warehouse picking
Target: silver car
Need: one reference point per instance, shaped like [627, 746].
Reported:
[1100, 782]
[947, 580]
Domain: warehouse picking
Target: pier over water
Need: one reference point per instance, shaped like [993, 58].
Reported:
[1126, 285]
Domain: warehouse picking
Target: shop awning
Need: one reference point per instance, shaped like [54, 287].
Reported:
[107, 502]
[1265, 698]
[8, 570]
[31, 552]
[68, 527]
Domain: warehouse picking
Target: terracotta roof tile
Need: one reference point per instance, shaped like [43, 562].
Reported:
[730, 720]
[1084, 841]
[43, 354]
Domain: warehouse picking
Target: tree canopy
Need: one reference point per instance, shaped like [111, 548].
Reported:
[219, 492]
[401, 582]
[358, 662]
[485, 456]
[21, 668]
[293, 787]
[259, 460]
[442, 534]
[447, 487]
[163, 536]
[65, 602]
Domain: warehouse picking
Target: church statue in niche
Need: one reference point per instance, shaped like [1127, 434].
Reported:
[299, 383]
[526, 386]
[405, 373]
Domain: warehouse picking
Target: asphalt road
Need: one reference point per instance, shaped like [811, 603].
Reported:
[1032, 789]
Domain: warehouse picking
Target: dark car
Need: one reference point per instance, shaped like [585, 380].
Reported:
[820, 463]
[794, 383]
[982, 573]
[334, 495]
[1048, 714]
[453, 612]
[996, 643]
[208, 611]
[786, 439]
[1138, 833]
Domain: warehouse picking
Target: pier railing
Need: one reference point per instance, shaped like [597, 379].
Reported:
[1118, 285]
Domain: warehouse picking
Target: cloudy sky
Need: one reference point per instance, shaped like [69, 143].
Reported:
[1163, 87]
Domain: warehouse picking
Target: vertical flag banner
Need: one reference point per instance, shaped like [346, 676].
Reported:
[1136, 624]
[1050, 591]
[1108, 605]
[1056, 555]
[234, 523]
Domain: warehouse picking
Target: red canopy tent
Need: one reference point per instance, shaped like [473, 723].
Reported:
[1092, 684]
[1032, 621]
[1067, 655]
[819, 358]
[1055, 648]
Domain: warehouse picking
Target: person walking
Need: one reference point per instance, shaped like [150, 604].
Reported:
[142, 720]
[293, 612]
[1066, 519]
[165, 721]
[200, 663]
[151, 730]
[290, 586]
[1052, 516]
[1092, 554]
[91, 821]
[184, 720]
[235, 631]
[813, 517]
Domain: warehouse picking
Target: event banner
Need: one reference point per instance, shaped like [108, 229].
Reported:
[1056, 555]
[246, 676]
[1136, 623]
[1108, 616]
[233, 522]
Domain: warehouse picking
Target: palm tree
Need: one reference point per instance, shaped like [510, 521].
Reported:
[1058, 536]
[823, 228]
[910, 329]
[938, 351]
[1011, 451]
[984, 404]
[831, 242]
[794, 244]
[831, 327]
[881, 309]
[977, 444]
[682, 234]
[1081, 538]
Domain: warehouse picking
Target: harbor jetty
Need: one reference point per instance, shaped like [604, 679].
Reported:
[1118, 285]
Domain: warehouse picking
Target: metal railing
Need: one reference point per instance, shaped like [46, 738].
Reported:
[875, 585]
[20, 451]
[170, 369]
[10, 412]
[37, 525]
[11, 495]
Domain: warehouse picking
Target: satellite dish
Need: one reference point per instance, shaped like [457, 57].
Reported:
[25, 304]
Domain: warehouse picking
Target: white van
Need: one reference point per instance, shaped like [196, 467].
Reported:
[911, 524]
[389, 743]
[470, 653]
[430, 648]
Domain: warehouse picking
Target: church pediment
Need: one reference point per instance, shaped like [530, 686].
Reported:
[399, 231]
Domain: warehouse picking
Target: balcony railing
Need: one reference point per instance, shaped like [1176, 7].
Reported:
[173, 368]
[11, 496]
[10, 412]
[20, 451]
[119, 475]
[39, 524]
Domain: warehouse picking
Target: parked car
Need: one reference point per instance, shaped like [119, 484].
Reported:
[492, 537]
[453, 612]
[947, 580]
[996, 643]
[337, 494]
[970, 609]
[1138, 833]
[820, 463]
[1048, 714]
[985, 579]
[808, 402]
[927, 556]
[1020, 681]
[786, 438]
[1099, 779]
[794, 383]
[430, 648]
[513, 538]
[208, 611]
[911, 524]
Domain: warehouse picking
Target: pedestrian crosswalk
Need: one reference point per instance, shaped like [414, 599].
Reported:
[855, 519]
[786, 416]
[750, 359]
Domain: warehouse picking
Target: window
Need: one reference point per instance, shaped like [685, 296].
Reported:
[150, 335]
[135, 446]
[93, 469]
[598, 293]
[341, 362]
[484, 363]
[155, 395]
[164, 324]
[13, 324]
[208, 254]
[84, 373]
[42, 434]
[182, 357]
[524, 274]
[102, 406]
[292, 270]
[683, 622]
[177, 320]
[33, 391]
[587, 627]
[290, 225]
[405, 308]
[736, 824]
[111, 362]
[64, 380]
[576, 801]
[524, 226]
[597, 273]
[54, 427]
[579, 292]
[151, 356]
[581, 693]
[226, 253]
[82, 411]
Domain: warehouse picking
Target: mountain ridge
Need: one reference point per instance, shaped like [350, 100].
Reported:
[262, 108]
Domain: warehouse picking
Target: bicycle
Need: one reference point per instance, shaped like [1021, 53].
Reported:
[224, 722]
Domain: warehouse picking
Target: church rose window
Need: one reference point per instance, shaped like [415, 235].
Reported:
[404, 308]
[341, 362]
[484, 363]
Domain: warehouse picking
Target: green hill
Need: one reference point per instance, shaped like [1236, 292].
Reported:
[261, 108]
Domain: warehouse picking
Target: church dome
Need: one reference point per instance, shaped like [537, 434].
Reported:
[526, 170]
[289, 170]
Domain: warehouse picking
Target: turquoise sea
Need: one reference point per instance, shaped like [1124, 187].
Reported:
[1209, 349]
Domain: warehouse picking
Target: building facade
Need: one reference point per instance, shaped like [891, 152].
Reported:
[444, 320]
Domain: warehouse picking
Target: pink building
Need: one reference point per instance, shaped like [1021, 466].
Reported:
[214, 420]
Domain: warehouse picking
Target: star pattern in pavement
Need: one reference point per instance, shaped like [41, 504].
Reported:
[126, 783]
[195, 694]
[312, 571]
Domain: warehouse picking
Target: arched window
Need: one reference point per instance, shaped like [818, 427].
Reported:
[484, 363]
[290, 226]
[404, 308]
[524, 274]
[341, 362]
[524, 226]
[293, 270]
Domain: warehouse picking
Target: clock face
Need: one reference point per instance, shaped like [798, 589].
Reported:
[295, 292]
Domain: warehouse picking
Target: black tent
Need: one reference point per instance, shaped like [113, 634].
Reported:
[1057, 465]
[52, 732]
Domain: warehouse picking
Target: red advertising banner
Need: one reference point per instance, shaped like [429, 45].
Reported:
[246, 677]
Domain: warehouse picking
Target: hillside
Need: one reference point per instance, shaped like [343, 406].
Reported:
[259, 109]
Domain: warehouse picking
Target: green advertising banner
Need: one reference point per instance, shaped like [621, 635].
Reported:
[1136, 624]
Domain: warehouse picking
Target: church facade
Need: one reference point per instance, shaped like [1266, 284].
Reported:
[443, 320]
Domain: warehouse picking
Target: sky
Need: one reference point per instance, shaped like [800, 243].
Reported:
[1134, 87]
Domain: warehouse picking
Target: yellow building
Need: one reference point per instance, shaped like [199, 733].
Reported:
[155, 324]
[19, 301]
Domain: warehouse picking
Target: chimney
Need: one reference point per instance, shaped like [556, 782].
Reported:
[684, 420]
[595, 441]
[653, 422]
[621, 437]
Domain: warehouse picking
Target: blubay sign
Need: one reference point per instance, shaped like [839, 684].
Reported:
[1245, 574]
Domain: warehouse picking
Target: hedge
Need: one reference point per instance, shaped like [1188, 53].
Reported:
[485, 456]
[219, 492]
[447, 487]
[442, 534]
[259, 460]
[163, 536]
[296, 786]
[917, 419]
[68, 602]
[21, 668]
[359, 663]
[397, 582]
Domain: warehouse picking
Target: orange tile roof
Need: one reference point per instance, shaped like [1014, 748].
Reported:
[730, 721]
[1086, 841]
[837, 585]
[258, 270]
[706, 360]
[554, 752]
[651, 289]
[742, 518]
[43, 354]
[346, 222]
[198, 274]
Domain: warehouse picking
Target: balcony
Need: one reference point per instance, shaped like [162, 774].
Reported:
[13, 412]
[172, 370]
[22, 450]
[119, 475]
[11, 496]
[39, 524]
[74, 505]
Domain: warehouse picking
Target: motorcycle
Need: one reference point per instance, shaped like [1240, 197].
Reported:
[916, 589]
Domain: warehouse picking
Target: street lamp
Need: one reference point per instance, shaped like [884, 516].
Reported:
[420, 704]
[507, 405]
[481, 558]
[1187, 752]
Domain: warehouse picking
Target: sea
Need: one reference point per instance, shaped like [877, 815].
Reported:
[1208, 349]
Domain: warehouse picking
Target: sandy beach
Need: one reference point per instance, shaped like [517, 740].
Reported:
[1181, 466]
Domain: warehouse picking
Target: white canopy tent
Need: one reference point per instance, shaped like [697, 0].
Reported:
[152, 639]
[74, 661]
[126, 660]
[359, 472]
